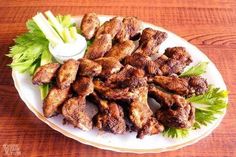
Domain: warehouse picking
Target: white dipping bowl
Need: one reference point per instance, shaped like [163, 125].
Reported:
[72, 50]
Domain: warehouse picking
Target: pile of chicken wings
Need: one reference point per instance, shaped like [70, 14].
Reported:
[118, 76]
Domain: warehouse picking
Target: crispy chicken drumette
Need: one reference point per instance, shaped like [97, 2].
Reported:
[175, 111]
[45, 74]
[89, 25]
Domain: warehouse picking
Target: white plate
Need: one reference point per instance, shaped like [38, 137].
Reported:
[127, 142]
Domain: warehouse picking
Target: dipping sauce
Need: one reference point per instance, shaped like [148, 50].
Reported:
[73, 50]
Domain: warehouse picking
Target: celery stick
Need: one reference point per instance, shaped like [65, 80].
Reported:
[73, 32]
[44, 89]
[47, 29]
[55, 23]
[46, 57]
[66, 35]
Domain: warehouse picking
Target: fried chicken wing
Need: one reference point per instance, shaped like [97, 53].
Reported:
[110, 65]
[45, 73]
[67, 73]
[141, 114]
[197, 85]
[186, 86]
[100, 46]
[137, 60]
[121, 50]
[111, 119]
[83, 86]
[89, 68]
[75, 113]
[144, 62]
[127, 72]
[152, 127]
[89, 25]
[54, 99]
[129, 29]
[150, 41]
[111, 27]
[115, 94]
[176, 59]
[173, 61]
[175, 111]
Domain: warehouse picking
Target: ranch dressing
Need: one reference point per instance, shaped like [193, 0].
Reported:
[72, 50]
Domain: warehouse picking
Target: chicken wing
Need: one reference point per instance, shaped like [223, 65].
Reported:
[130, 28]
[75, 113]
[54, 99]
[67, 73]
[121, 50]
[113, 94]
[100, 46]
[127, 72]
[110, 117]
[141, 114]
[111, 27]
[175, 111]
[110, 65]
[83, 86]
[174, 60]
[150, 41]
[89, 68]
[45, 73]
[186, 86]
[89, 25]
[142, 61]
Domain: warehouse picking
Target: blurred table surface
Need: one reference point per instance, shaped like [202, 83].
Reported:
[210, 25]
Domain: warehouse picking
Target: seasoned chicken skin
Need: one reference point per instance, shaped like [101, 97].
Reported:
[175, 111]
[110, 117]
[100, 46]
[75, 113]
[121, 50]
[110, 65]
[54, 99]
[89, 68]
[150, 41]
[186, 86]
[45, 74]
[130, 28]
[83, 86]
[174, 60]
[127, 72]
[111, 27]
[113, 94]
[89, 25]
[67, 73]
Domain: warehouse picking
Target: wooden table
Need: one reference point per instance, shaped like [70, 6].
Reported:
[210, 25]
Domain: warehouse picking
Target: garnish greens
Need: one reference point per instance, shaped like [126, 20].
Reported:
[208, 105]
[28, 49]
[175, 133]
[31, 49]
[196, 70]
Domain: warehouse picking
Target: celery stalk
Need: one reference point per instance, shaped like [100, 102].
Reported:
[55, 23]
[46, 58]
[66, 35]
[73, 32]
[47, 29]
[44, 89]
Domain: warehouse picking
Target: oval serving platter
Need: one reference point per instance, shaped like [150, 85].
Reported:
[127, 142]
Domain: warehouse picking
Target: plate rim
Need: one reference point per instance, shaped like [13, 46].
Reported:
[112, 148]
